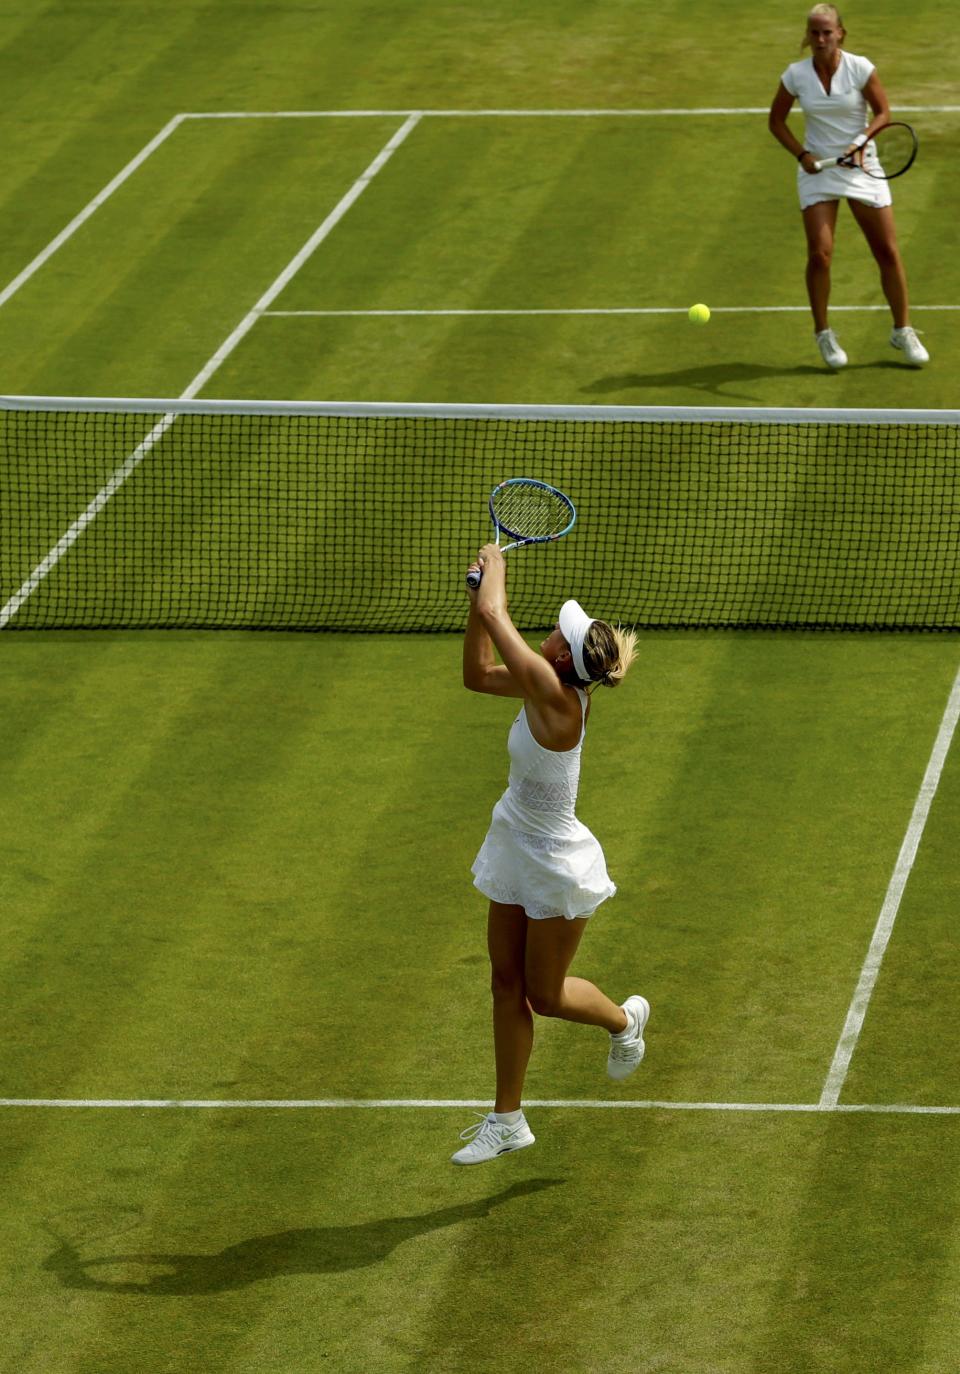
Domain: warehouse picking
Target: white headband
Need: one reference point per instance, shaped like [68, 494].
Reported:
[574, 624]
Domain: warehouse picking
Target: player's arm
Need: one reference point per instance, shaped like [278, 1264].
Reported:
[525, 673]
[481, 671]
[777, 124]
[876, 98]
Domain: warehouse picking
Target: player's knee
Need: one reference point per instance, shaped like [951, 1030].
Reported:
[544, 1002]
[506, 984]
[886, 254]
[820, 258]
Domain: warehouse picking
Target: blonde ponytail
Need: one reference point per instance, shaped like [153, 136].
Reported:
[608, 652]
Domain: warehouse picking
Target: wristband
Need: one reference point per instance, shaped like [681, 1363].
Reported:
[860, 140]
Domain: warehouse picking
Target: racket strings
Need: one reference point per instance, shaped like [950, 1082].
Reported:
[530, 512]
[894, 148]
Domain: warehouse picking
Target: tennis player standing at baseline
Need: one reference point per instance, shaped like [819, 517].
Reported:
[833, 88]
[542, 869]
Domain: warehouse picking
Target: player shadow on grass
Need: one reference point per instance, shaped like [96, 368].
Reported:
[715, 376]
[313, 1250]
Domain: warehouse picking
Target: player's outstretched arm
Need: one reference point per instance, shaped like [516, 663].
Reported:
[481, 671]
[529, 672]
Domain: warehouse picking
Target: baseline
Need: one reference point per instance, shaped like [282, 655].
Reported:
[318, 1104]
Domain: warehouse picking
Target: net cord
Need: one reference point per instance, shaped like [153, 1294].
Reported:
[402, 410]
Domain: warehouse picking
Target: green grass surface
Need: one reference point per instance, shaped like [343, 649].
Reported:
[214, 886]
[237, 866]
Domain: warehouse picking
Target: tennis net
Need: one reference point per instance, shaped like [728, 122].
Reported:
[215, 514]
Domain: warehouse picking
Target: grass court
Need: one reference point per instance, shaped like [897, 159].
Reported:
[244, 999]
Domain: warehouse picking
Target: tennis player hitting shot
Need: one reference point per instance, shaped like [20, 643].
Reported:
[542, 869]
[834, 88]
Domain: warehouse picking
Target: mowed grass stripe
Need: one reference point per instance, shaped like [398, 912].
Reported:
[247, 889]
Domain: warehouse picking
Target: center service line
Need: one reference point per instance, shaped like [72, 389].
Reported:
[870, 972]
[296, 262]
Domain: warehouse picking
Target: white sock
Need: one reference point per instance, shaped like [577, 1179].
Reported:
[508, 1118]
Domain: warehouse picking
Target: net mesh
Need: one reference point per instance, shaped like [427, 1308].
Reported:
[311, 519]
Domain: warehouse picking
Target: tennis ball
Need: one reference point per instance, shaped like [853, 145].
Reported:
[698, 314]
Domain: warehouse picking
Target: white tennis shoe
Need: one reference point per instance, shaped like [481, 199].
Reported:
[906, 340]
[489, 1138]
[627, 1049]
[830, 351]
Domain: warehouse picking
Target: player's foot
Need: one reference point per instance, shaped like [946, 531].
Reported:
[627, 1049]
[914, 351]
[491, 1138]
[830, 351]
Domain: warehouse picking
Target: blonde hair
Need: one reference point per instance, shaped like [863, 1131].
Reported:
[608, 652]
[823, 12]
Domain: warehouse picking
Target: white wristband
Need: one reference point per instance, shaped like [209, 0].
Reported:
[860, 140]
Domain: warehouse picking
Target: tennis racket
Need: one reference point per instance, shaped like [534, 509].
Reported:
[527, 512]
[885, 156]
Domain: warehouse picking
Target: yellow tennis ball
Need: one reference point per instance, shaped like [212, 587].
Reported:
[698, 314]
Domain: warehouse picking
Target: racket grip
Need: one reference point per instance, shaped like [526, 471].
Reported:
[474, 577]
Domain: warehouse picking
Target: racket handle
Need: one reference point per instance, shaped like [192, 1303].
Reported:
[474, 577]
[827, 162]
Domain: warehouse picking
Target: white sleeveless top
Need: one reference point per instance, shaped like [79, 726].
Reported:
[542, 788]
[536, 853]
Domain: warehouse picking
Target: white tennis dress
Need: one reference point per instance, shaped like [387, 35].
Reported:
[537, 854]
[833, 121]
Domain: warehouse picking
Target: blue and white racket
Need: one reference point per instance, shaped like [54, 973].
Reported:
[527, 512]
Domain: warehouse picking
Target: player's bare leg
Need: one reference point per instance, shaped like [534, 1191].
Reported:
[512, 1017]
[551, 945]
[819, 223]
[880, 232]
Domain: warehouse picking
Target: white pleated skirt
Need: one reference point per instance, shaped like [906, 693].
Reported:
[546, 875]
[842, 183]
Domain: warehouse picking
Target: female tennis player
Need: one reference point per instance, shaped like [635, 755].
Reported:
[543, 871]
[834, 88]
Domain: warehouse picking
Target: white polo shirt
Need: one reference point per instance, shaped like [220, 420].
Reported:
[832, 121]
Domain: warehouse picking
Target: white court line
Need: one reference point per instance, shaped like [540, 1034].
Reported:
[321, 1104]
[14, 286]
[118, 478]
[525, 114]
[67, 540]
[850, 1034]
[594, 310]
